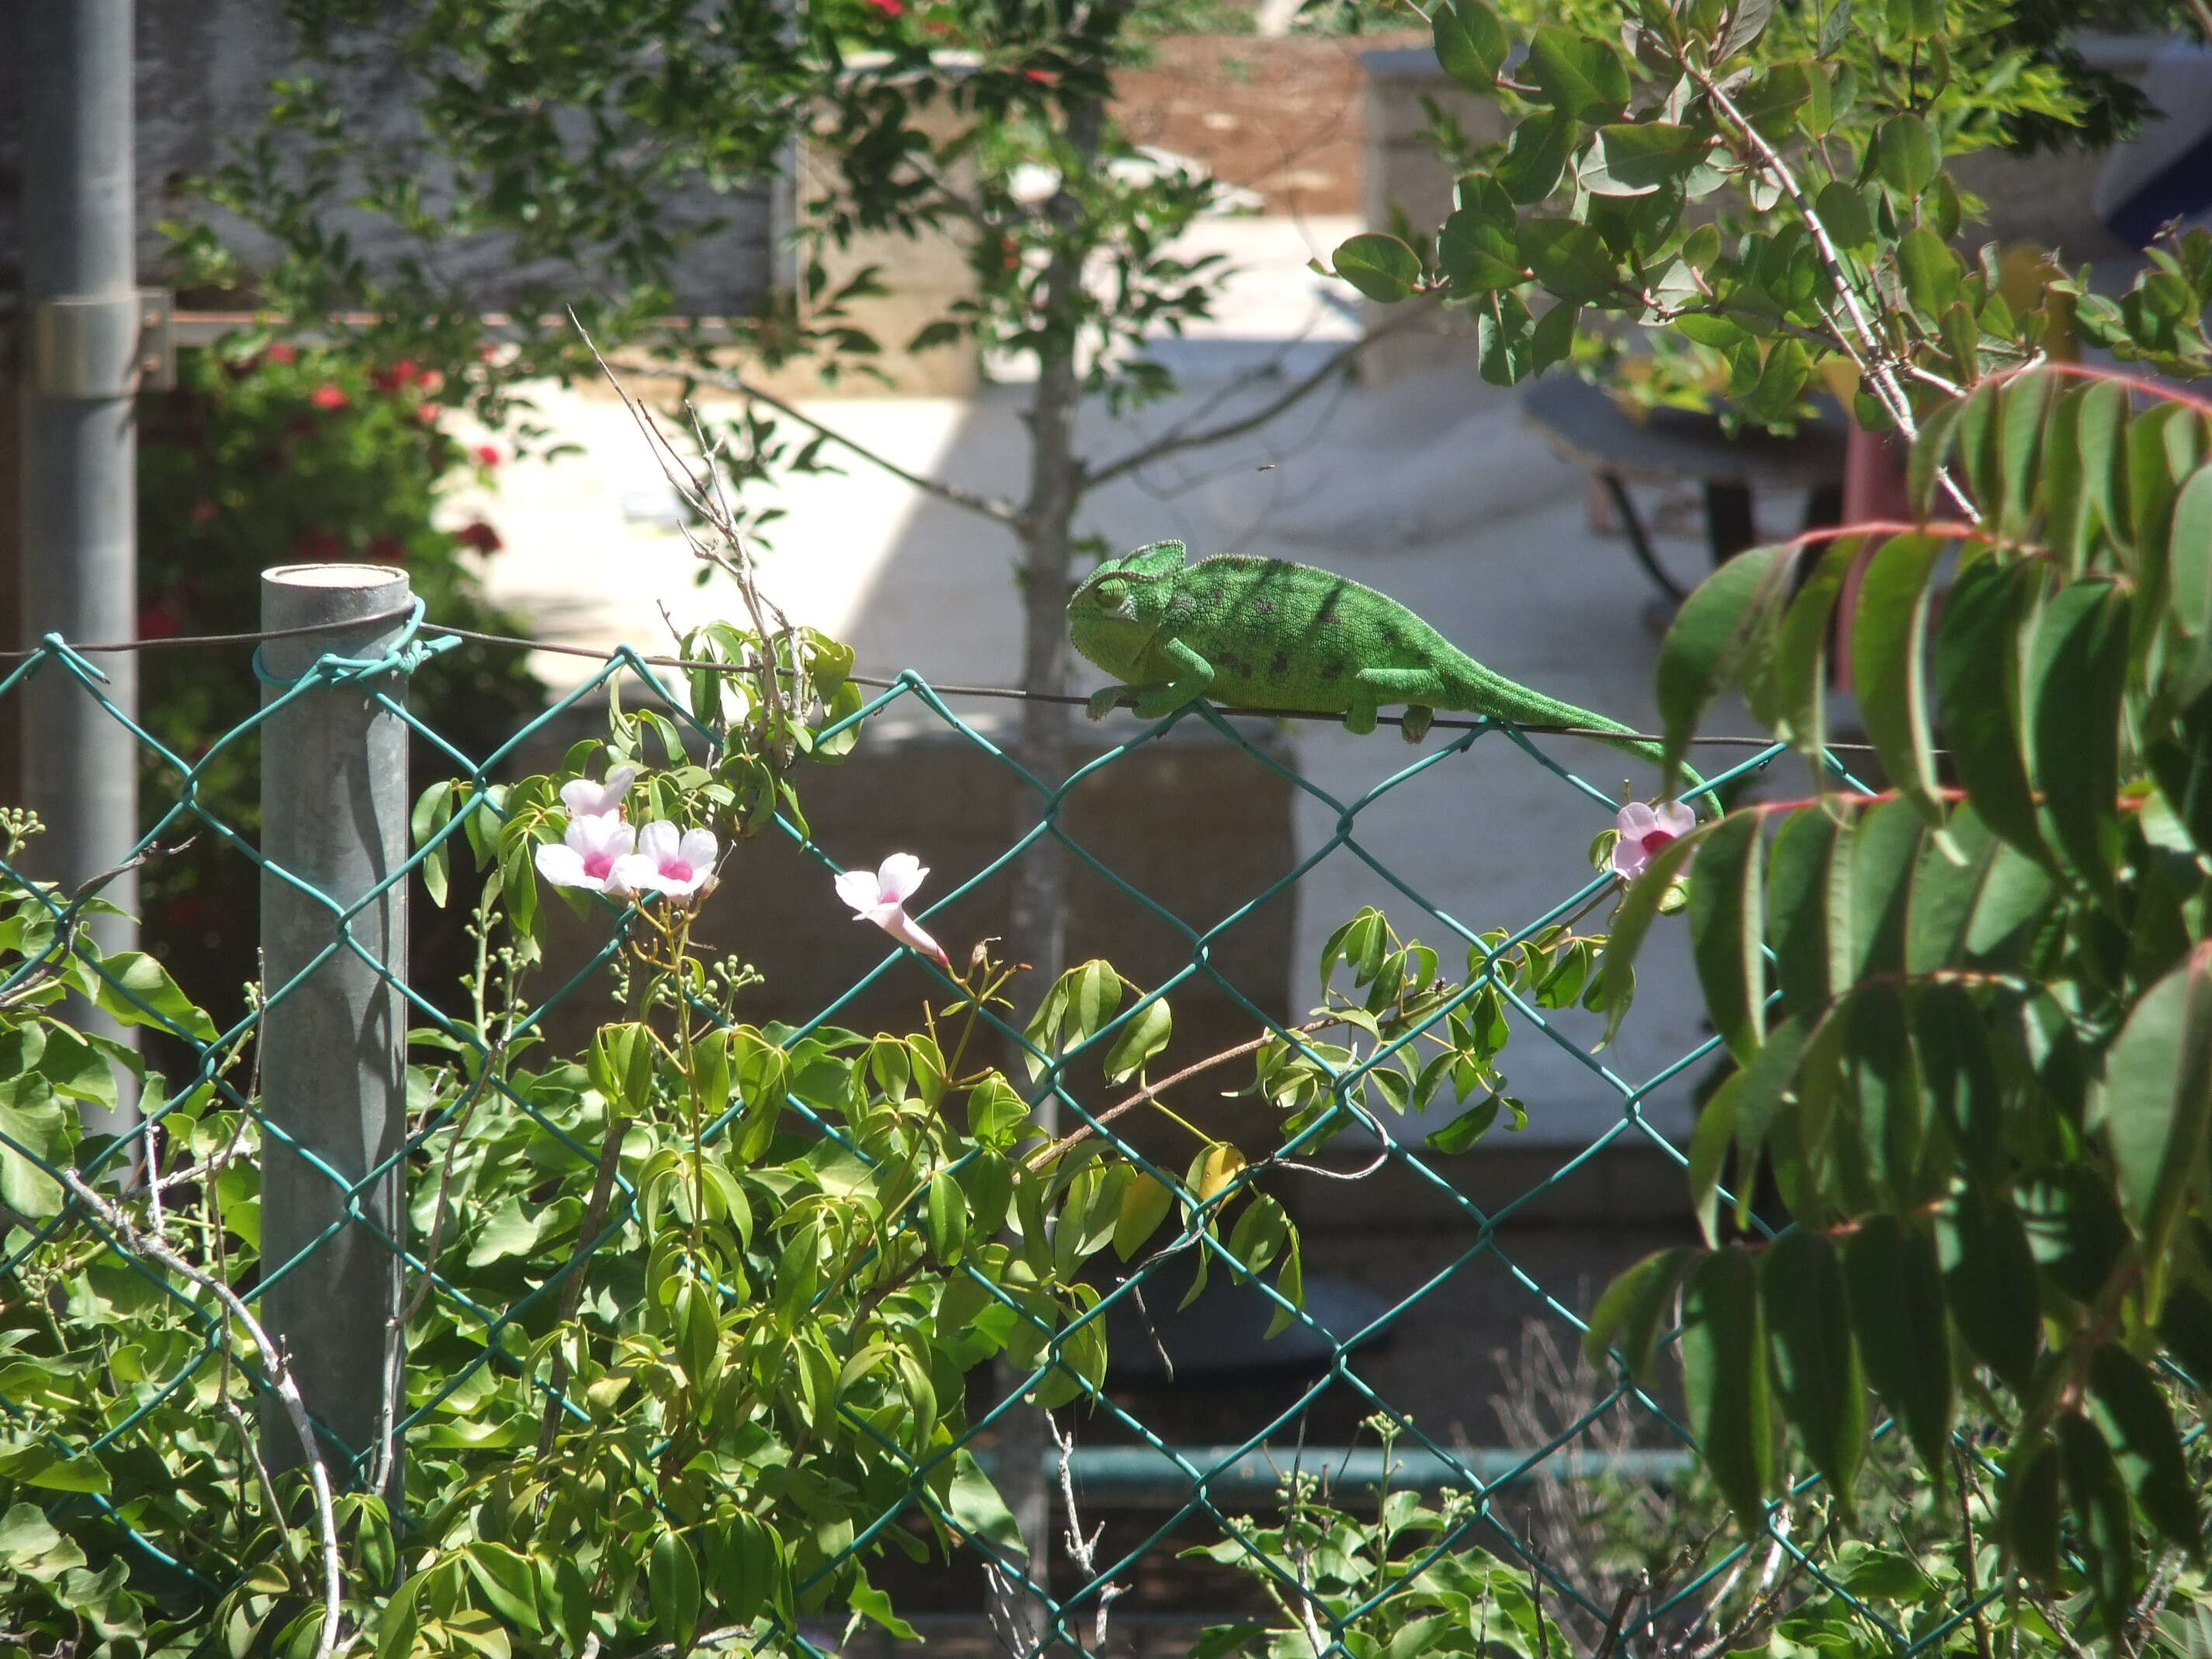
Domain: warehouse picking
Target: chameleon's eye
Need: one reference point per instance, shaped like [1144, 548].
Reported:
[1113, 597]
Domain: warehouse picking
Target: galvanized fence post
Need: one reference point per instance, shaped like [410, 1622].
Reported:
[82, 322]
[334, 804]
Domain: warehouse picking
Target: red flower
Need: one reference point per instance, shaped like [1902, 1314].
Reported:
[202, 511]
[281, 354]
[320, 545]
[427, 414]
[158, 621]
[328, 397]
[890, 8]
[1045, 76]
[388, 550]
[479, 536]
[403, 373]
[487, 455]
[191, 913]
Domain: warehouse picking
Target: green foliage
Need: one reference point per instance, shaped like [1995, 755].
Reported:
[1972, 1013]
[1743, 204]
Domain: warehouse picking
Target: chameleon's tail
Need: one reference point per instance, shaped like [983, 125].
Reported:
[1483, 692]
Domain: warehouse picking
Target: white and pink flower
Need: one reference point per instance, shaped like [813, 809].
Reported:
[677, 862]
[881, 898]
[591, 855]
[1646, 830]
[586, 800]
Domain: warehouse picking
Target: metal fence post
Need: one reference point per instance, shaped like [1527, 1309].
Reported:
[334, 804]
[79, 454]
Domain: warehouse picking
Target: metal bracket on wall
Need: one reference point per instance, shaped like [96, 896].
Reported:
[104, 345]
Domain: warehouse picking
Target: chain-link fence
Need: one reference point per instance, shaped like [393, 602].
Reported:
[375, 1269]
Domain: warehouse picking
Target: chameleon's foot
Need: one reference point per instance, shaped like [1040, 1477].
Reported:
[1105, 701]
[1414, 726]
[1359, 720]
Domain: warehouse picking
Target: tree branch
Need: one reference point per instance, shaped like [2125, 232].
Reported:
[988, 506]
[280, 1379]
[1182, 438]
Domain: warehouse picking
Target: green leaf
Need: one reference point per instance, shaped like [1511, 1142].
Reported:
[1709, 1140]
[1895, 1290]
[2104, 1528]
[1818, 1383]
[1704, 652]
[2029, 1510]
[2189, 561]
[1946, 886]
[1144, 1203]
[37, 1134]
[1977, 672]
[2101, 431]
[1471, 42]
[1505, 339]
[1144, 1036]
[138, 991]
[1476, 252]
[1633, 1311]
[2078, 680]
[1570, 259]
[1989, 1274]
[1930, 270]
[1724, 1377]
[1727, 926]
[1380, 266]
[2140, 1424]
[1468, 1127]
[671, 1576]
[1797, 902]
[1889, 656]
[1635, 158]
[1843, 215]
[1552, 339]
[1536, 155]
[1578, 74]
[2158, 1102]
[1904, 154]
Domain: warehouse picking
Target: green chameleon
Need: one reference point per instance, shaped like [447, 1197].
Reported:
[1267, 634]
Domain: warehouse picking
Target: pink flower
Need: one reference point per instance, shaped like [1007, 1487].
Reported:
[667, 860]
[328, 397]
[479, 536]
[586, 800]
[881, 898]
[487, 455]
[281, 354]
[1646, 831]
[591, 855]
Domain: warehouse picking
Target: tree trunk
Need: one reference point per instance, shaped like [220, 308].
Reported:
[1037, 925]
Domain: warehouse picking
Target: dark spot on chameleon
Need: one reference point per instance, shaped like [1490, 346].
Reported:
[1234, 664]
[1213, 594]
[1182, 605]
[1263, 607]
[1391, 635]
[1281, 665]
[1332, 672]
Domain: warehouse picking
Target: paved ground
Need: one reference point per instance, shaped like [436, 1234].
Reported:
[1428, 489]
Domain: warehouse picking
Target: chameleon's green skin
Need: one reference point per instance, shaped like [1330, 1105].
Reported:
[1267, 634]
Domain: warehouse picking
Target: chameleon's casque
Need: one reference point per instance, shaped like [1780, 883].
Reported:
[1268, 633]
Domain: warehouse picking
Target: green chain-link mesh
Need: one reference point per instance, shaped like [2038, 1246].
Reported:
[1211, 1476]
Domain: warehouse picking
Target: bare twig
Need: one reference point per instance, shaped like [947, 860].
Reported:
[988, 506]
[273, 1361]
[1179, 438]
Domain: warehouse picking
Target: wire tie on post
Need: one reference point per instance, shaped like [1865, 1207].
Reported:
[408, 653]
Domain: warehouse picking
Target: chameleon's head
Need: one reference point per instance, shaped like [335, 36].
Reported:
[1112, 616]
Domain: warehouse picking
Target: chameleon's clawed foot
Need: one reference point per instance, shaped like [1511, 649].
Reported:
[1359, 721]
[1415, 724]
[1104, 700]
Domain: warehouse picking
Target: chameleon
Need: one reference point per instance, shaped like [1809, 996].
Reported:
[1268, 633]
